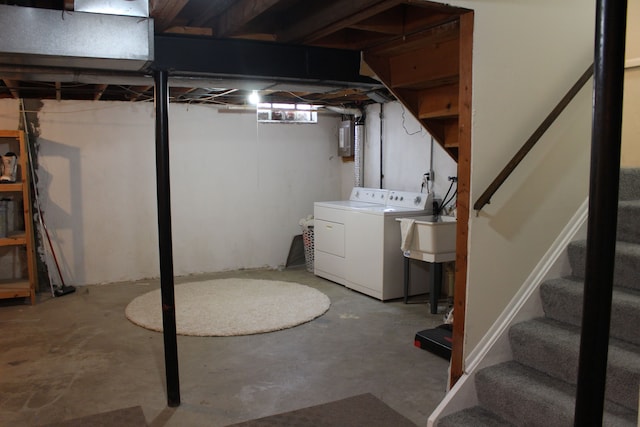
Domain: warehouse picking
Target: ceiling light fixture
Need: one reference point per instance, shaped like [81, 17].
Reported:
[254, 98]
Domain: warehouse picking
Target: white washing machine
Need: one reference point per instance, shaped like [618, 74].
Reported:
[357, 241]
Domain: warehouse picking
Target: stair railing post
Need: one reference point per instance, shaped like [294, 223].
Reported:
[611, 16]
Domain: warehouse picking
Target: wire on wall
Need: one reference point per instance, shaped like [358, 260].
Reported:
[405, 127]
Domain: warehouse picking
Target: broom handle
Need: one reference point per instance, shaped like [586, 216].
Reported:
[35, 192]
[53, 252]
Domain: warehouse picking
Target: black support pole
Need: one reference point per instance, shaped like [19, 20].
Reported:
[164, 238]
[611, 16]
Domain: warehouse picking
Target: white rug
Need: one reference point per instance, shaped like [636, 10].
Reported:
[227, 307]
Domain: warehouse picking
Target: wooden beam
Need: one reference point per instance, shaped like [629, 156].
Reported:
[138, 91]
[451, 133]
[410, 99]
[439, 102]
[351, 39]
[463, 202]
[428, 36]
[332, 18]
[207, 14]
[14, 87]
[99, 91]
[58, 91]
[420, 18]
[439, 62]
[390, 21]
[164, 12]
[239, 14]
[196, 31]
[379, 65]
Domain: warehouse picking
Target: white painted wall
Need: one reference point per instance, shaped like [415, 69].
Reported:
[238, 188]
[630, 155]
[527, 53]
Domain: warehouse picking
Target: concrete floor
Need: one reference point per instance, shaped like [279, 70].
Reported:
[78, 355]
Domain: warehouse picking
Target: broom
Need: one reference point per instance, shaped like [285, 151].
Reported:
[58, 291]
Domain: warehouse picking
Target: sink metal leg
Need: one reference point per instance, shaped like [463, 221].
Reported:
[435, 271]
[407, 273]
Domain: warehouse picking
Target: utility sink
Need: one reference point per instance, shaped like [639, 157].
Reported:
[432, 240]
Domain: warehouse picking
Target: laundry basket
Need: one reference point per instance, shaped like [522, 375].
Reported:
[307, 240]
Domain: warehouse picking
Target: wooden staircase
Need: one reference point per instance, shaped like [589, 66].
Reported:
[427, 72]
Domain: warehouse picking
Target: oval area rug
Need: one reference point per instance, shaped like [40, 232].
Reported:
[228, 307]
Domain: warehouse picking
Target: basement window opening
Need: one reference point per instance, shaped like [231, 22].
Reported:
[287, 113]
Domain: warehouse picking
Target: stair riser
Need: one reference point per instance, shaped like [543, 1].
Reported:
[629, 184]
[525, 397]
[511, 402]
[564, 303]
[628, 220]
[626, 265]
[556, 352]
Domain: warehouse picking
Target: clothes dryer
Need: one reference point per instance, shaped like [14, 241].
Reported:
[357, 241]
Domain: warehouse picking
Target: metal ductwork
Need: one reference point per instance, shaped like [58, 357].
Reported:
[114, 7]
[76, 40]
[355, 112]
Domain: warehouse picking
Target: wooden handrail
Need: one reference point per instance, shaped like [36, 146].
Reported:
[533, 139]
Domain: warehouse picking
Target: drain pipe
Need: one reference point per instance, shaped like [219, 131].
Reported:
[381, 152]
[358, 151]
[611, 18]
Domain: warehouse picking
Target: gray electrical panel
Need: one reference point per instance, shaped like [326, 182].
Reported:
[345, 136]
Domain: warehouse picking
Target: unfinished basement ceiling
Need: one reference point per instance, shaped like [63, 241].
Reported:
[355, 25]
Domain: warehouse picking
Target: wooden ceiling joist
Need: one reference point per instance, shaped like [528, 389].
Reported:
[137, 92]
[332, 18]
[207, 13]
[164, 12]
[427, 36]
[239, 14]
[13, 87]
[99, 91]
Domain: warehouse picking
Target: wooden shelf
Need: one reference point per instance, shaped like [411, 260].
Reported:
[15, 289]
[10, 133]
[11, 186]
[14, 240]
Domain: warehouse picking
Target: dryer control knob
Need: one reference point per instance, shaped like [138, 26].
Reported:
[417, 200]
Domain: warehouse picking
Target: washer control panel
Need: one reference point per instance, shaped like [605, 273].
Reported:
[392, 198]
[407, 199]
[371, 195]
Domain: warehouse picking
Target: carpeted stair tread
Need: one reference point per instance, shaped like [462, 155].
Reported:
[629, 185]
[473, 417]
[524, 396]
[562, 300]
[627, 227]
[553, 348]
[626, 262]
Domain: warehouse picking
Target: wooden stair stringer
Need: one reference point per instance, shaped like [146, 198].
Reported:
[425, 79]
